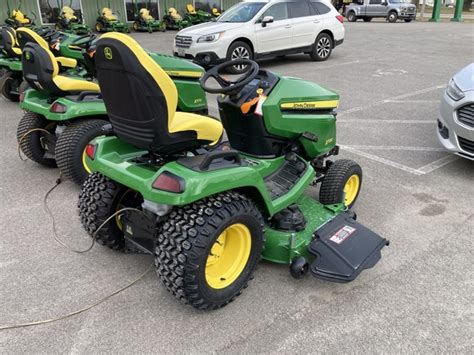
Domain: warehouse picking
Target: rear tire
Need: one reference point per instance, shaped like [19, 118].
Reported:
[136, 26]
[407, 20]
[99, 27]
[351, 16]
[367, 19]
[31, 144]
[392, 17]
[192, 250]
[239, 50]
[342, 183]
[71, 145]
[100, 198]
[10, 82]
[322, 48]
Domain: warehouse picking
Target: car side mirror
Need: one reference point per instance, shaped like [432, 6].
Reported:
[266, 20]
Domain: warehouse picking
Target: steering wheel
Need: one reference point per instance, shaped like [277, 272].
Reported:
[85, 41]
[229, 87]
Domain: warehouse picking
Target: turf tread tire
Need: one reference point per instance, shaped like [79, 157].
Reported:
[71, 144]
[184, 239]
[331, 191]
[31, 144]
[97, 202]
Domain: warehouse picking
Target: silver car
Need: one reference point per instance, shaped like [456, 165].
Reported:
[456, 114]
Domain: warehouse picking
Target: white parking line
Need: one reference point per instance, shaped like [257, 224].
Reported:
[429, 168]
[412, 101]
[396, 148]
[364, 120]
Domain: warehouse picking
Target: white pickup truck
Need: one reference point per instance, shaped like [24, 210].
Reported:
[392, 10]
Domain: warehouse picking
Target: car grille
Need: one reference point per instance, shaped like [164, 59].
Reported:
[466, 145]
[183, 41]
[466, 115]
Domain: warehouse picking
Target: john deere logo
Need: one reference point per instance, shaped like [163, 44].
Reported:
[108, 53]
[28, 55]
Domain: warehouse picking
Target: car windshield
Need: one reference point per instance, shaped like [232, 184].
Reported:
[397, 1]
[242, 12]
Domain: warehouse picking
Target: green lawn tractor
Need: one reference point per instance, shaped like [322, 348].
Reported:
[67, 21]
[67, 119]
[210, 210]
[145, 22]
[72, 53]
[17, 18]
[109, 22]
[174, 20]
[215, 12]
[195, 17]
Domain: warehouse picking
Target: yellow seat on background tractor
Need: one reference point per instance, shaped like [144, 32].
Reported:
[25, 35]
[20, 17]
[190, 9]
[141, 100]
[145, 14]
[108, 14]
[10, 43]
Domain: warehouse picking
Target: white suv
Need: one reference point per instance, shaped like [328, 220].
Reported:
[256, 29]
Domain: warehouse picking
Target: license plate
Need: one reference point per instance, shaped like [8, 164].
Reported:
[181, 52]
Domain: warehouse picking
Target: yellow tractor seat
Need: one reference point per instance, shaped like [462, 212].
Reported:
[190, 9]
[25, 35]
[145, 15]
[68, 13]
[20, 17]
[174, 14]
[215, 12]
[9, 43]
[41, 71]
[108, 14]
[141, 100]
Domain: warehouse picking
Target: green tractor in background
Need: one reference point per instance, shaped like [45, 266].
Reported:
[174, 21]
[208, 210]
[195, 17]
[66, 114]
[17, 18]
[109, 22]
[67, 20]
[144, 21]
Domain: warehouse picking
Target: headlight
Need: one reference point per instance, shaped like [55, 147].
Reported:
[454, 91]
[210, 38]
[404, 8]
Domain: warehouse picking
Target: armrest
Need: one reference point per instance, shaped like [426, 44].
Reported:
[66, 62]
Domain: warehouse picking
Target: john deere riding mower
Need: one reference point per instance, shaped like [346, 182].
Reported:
[17, 18]
[174, 21]
[209, 211]
[194, 17]
[144, 21]
[216, 12]
[109, 22]
[67, 20]
[63, 113]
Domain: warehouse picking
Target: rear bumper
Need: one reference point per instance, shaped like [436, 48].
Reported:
[338, 43]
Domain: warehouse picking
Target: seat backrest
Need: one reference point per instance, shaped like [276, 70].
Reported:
[25, 35]
[190, 9]
[108, 14]
[145, 14]
[68, 13]
[40, 68]
[9, 42]
[140, 97]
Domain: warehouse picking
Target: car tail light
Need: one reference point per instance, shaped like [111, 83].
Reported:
[340, 18]
[58, 108]
[167, 181]
[90, 150]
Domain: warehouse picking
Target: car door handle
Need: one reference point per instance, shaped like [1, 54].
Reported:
[316, 21]
[288, 26]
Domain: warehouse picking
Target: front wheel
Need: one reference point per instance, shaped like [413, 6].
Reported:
[71, 146]
[239, 50]
[322, 48]
[392, 17]
[206, 252]
[341, 183]
[351, 17]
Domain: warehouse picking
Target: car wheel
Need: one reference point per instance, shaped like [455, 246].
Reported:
[351, 17]
[392, 17]
[322, 48]
[367, 19]
[239, 50]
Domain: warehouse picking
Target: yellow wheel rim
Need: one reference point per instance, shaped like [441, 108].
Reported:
[351, 188]
[84, 162]
[228, 256]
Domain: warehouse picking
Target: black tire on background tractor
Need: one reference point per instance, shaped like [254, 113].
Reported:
[100, 198]
[136, 26]
[238, 50]
[30, 143]
[71, 145]
[99, 28]
[9, 81]
[341, 183]
[322, 47]
[392, 16]
[351, 16]
[198, 239]
[367, 19]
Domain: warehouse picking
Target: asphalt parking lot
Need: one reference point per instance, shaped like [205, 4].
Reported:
[419, 298]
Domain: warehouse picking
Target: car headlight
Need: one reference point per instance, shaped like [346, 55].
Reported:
[454, 91]
[404, 8]
[210, 38]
